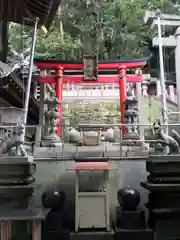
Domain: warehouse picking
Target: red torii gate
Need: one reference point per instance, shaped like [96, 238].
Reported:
[63, 68]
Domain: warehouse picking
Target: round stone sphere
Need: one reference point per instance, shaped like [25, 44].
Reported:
[128, 198]
[53, 199]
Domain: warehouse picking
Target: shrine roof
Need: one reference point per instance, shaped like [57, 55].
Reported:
[4, 69]
[18, 10]
[12, 89]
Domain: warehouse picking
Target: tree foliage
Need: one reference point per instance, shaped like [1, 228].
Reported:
[113, 29]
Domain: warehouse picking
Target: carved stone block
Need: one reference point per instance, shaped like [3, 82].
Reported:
[16, 170]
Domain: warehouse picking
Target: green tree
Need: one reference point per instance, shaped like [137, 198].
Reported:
[112, 29]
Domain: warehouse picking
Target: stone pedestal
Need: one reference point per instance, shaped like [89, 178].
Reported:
[95, 235]
[140, 234]
[130, 220]
[164, 198]
[64, 235]
[16, 170]
[16, 178]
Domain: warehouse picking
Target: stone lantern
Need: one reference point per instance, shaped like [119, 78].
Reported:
[52, 114]
[131, 116]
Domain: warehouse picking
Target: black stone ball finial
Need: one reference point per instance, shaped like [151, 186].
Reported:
[128, 198]
[53, 199]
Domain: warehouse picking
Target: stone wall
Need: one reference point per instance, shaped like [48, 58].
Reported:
[123, 174]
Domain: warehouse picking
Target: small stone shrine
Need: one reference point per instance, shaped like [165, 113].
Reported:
[130, 219]
[163, 204]
[131, 116]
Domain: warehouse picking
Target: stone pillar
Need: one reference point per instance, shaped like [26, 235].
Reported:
[144, 90]
[167, 93]
[177, 61]
[171, 93]
[40, 128]
[158, 88]
[134, 92]
[34, 85]
[138, 97]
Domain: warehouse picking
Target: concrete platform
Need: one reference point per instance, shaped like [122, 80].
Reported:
[15, 159]
[95, 235]
[140, 234]
[70, 151]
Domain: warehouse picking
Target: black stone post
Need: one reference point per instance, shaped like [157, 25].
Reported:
[130, 219]
[163, 204]
[56, 224]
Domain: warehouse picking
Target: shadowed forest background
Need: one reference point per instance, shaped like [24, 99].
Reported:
[113, 29]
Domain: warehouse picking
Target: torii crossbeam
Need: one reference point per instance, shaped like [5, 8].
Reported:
[72, 71]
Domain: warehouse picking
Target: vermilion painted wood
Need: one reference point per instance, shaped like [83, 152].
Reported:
[92, 166]
[80, 66]
[101, 79]
[60, 79]
[59, 94]
[122, 93]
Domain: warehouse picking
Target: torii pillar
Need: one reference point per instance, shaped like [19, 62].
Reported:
[172, 41]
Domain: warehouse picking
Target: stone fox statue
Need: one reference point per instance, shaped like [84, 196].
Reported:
[165, 139]
[16, 140]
